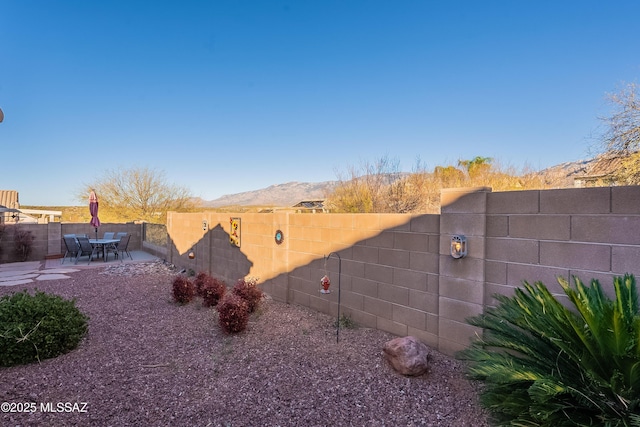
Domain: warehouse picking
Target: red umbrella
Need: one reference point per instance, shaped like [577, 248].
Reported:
[93, 208]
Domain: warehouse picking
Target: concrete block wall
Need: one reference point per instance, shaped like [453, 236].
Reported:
[461, 292]
[134, 230]
[48, 238]
[397, 272]
[388, 262]
[591, 233]
[39, 248]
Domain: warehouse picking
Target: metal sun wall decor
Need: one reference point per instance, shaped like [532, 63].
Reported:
[234, 234]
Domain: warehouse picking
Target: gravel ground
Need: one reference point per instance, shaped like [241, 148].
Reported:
[147, 361]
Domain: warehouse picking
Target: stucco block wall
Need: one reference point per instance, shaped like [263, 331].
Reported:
[389, 262]
[397, 274]
[589, 233]
[48, 241]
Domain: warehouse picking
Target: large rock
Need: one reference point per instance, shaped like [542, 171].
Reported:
[407, 355]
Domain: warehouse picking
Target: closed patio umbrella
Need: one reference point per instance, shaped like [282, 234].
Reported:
[93, 208]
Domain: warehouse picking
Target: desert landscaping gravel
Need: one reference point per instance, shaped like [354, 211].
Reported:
[147, 361]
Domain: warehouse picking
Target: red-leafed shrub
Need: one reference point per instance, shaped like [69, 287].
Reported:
[212, 291]
[248, 290]
[183, 290]
[233, 314]
[200, 280]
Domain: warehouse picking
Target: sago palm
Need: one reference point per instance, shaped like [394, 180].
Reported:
[544, 364]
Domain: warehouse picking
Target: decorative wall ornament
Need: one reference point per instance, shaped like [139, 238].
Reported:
[234, 235]
[279, 237]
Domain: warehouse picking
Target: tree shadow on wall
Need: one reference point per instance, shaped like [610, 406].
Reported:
[215, 254]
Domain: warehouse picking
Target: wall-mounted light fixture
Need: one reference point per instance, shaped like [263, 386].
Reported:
[458, 246]
[205, 225]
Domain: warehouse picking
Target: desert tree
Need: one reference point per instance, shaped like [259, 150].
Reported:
[628, 172]
[477, 167]
[622, 134]
[138, 193]
[379, 186]
[363, 189]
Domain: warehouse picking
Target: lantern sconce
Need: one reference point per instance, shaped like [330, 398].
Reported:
[205, 225]
[458, 246]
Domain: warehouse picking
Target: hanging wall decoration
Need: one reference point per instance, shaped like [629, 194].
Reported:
[279, 237]
[234, 235]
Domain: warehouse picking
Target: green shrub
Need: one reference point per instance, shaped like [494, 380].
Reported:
[36, 327]
[233, 313]
[544, 364]
[183, 290]
[249, 291]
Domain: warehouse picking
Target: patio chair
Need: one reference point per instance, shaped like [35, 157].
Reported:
[120, 249]
[71, 245]
[108, 235]
[85, 248]
[119, 235]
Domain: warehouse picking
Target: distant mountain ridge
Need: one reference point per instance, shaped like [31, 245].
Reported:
[287, 194]
[291, 193]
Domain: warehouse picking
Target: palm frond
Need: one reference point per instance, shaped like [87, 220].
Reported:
[544, 364]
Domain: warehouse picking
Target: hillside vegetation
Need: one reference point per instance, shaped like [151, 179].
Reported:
[379, 188]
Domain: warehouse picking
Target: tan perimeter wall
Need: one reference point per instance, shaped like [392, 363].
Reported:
[48, 241]
[397, 274]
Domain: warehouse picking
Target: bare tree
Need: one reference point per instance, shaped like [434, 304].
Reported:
[366, 189]
[381, 187]
[623, 126]
[138, 194]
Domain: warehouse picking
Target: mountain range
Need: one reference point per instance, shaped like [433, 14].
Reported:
[291, 193]
[287, 194]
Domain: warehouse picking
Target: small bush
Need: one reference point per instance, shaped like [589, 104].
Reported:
[345, 322]
[249, 291]
[23, 241]
[183, 290]
[36, 327]
[212, 291]
[233, 314]
[199, 281]
[544, 364]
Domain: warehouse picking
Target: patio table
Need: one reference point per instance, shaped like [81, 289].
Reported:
[102, 243]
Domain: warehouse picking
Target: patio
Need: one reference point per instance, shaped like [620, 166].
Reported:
[19, 273]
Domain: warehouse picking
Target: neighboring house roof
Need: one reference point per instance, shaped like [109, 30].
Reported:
[601, 169]
[310, 204]
[305, 205]
[9, 199]
[10, 211]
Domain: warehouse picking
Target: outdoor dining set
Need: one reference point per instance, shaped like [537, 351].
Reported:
[79, 245]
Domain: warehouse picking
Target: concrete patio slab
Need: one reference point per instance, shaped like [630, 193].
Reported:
[12, 273]
[18, 276]
[19, 273]
[17, 266]
[52, 277]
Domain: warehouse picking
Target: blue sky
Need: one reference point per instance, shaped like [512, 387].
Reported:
[236, 95]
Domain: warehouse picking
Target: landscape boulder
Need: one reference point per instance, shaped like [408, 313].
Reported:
[407, 355]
